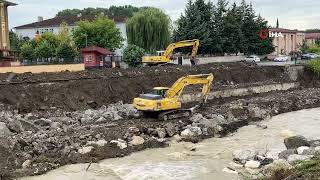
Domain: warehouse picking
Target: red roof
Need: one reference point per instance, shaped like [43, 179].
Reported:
[70, 20]
[312, 35]
[100, 50]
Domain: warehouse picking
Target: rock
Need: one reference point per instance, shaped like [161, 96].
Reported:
[4, 131]
[85, 150]
[242, 156]
[177, 138]
[56, 125]
[134, 130]
[170, 129]
[315, 143]
[43, 122]
[287, 133]
[295, 142]
[26, 164]
[302, 150]
[296, 158]
[229, 170]
[262, 126]
[317, 149]
[27, 126]
[252, 164]
[191, 132]
[120, 143]
[257, 113]
[234, 165]
[100, 142]
[161, 133]
[286, 153]
[14, 126]
[136, 140]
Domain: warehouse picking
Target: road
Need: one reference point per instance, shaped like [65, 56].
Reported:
[272, 63]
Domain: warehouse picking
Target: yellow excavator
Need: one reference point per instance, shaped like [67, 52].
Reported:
[166, 103]
[165, 56]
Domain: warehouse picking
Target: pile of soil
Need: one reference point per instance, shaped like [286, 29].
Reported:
[81, 90]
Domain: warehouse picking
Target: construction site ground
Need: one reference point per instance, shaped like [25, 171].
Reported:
[53, 119]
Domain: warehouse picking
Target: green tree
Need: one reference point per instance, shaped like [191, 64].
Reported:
[196, 23]
[101, 32]
[132, 55]
[66, 49]
[27, 51]
[149, 29]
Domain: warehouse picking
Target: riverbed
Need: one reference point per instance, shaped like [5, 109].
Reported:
[208, 159]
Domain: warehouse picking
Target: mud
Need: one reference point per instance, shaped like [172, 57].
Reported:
[82, 90]
[59, 119]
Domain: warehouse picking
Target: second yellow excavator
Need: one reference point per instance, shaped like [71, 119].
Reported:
[165, 57]
[166, 101]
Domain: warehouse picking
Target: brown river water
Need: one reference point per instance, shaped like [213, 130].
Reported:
[207, 162]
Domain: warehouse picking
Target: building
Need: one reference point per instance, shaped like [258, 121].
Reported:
[312, 37]
[288, 41]
[4, 28]
[94, 57]
[53, 25]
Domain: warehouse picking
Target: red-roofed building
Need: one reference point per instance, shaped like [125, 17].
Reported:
[312, 37]
[94, 57]
[34, 29]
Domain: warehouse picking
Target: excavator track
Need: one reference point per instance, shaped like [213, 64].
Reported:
[175, 114]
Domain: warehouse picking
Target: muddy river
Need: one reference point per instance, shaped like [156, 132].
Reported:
[207, 162]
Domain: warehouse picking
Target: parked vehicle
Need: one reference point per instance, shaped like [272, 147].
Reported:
[281, 58]
[252, 58]
[309, 56]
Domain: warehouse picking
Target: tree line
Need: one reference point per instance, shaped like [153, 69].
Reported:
[223, 28]
[112, 11]
[65, 46]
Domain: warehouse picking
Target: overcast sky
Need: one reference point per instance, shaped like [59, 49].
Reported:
[293, 14]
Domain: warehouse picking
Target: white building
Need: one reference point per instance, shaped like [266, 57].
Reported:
[53, 25]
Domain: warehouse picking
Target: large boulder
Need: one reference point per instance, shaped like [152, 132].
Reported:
[295, 142]
[136, 140]
[294, 158]
[170, 129]
[286, 153]
[252, 164]
[4, 131]
[242, 156]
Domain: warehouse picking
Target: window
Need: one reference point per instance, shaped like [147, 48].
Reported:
[89, 58]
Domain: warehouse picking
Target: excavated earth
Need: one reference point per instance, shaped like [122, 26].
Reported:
[50, 120]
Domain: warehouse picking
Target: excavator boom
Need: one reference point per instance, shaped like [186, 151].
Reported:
[165, 58]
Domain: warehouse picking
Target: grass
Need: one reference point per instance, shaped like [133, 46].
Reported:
[314, 66]
[309, 169]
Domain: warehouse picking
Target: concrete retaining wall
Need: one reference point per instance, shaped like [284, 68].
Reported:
[240, 91]
[43, 68]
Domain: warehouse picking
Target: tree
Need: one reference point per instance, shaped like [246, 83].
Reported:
[27, 51]
[149, 29]
[277, 23]
[196, 23]
[113, 11]
[132, 55]
[46, 46]
[66, 49]
[101, 32]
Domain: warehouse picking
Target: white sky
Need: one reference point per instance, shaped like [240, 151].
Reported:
[293, 14]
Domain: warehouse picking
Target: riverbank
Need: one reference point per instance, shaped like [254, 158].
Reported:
[204, 160]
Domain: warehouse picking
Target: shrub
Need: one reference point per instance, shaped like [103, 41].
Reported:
[132, 55]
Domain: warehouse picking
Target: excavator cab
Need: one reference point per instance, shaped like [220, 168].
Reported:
[160, 91]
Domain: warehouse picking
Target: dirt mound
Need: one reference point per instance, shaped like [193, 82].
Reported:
[81, 90]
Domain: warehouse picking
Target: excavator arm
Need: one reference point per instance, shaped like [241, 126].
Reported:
[180, 84]
[165, 58]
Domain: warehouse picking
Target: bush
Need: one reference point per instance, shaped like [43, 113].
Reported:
[314, 66]
[132, 55]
